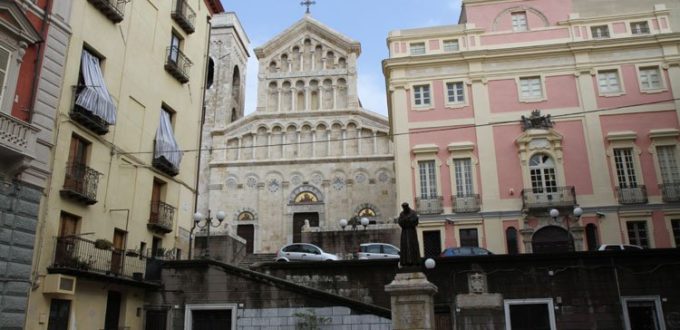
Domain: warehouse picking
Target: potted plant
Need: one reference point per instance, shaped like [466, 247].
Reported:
[103, 244]
[132, 253]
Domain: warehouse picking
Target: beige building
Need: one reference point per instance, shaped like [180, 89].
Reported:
[122, 189]
[309, 152]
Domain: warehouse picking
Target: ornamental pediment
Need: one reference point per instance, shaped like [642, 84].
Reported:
[15, 22]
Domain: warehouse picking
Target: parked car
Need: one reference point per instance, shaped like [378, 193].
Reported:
[619, 247]
[377, 251]
[464, 251]
[303, 252]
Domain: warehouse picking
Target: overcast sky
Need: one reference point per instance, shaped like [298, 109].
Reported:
[366, 21]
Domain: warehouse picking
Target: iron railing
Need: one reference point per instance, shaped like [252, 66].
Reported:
[86, 117]
[114, 10]
[80, 183]
[429, 205]
[161, 217]
[17, 136]
[548, 197]
[79, 254]
[632, 195]
[177, 64]
[640, 30]
[670, 192]
[466, 203]
[184, 15]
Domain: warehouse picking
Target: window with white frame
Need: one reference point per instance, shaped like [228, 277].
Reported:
[639, 27]
[451, 45]
[519, 21]
[417, 48]
[643, 313]
[428, 179]
[608, 81]
[668, 164]
[4, 64]
[530, 88]
[637, 233]
[600, 31]
[463, 172]
[421, 95]
[542, 173]
[625, 168]
[650, 78]
[529, 314]
[455, 92]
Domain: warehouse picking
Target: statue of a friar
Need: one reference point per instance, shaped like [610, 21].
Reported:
[409, 257]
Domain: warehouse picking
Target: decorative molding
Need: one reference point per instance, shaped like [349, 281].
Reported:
[425, 149]
[621, 136]
[461, 146]
[664, 133]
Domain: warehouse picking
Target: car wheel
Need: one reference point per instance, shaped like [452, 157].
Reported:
[329, 259]
[282, 260]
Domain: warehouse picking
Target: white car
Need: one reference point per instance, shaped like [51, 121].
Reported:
[619, 247]
[303, 252]
[377, 251]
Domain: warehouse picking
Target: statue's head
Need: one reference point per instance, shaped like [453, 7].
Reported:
[404, 206]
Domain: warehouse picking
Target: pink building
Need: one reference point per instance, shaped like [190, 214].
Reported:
[540, 126]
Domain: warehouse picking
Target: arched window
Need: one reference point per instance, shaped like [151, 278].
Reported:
[551, 239]
[542, 170]
[306, 197]
[210, 75]
[366, 212]
[236, 86]
[511, 240]
[234, 115]
[246, 216]
[591, 237]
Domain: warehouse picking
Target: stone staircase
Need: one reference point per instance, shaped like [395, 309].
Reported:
[256, 258]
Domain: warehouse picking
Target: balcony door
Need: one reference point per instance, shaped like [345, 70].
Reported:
[66, 243]
[542, 171]
[174, 48]
[155, 200]
[118, 250]
[75, 169]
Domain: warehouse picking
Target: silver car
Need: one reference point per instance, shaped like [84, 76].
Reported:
[377, 251]
[303, 252]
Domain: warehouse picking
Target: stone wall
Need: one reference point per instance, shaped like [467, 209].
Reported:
[222, 247]
[336, 317]
[19, 205]
[345, 242]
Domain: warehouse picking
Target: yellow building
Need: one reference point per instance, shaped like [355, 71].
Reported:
[121, 190]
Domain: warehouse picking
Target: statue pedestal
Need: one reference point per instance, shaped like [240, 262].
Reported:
[412, 301]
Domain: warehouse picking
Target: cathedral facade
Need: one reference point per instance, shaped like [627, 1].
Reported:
[308, 154]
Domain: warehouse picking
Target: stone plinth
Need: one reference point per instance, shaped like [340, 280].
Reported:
[412, 301]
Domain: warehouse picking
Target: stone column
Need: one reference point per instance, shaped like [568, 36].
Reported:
[412, 298]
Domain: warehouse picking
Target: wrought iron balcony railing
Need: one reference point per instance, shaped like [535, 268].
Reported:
[80, 183]
[670, 192]
[429, 205]
[114, 10]
[161, 217]
[183, 15]
[17, 138]
[466, 203]
[545, 198]
[163, 164]
[79, 255]
[177, 64]
[86, 118]
[629, 195]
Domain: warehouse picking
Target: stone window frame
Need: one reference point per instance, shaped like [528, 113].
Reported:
[188, 308]
[520, 14]
[470, 224]
[462, 150]
[657, 305]
[623, 140]
[548, 301]
[640, 21]
[447, 42]
[413, 51]
[619, 77]
[632, 216]
[422, 106]
[527, 149]
[660, 138]
[466, 97]
[421, 153]
[531, 99]
[663, 87]
[608, 30]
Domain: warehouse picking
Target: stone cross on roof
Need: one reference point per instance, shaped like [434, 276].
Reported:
[307, 3]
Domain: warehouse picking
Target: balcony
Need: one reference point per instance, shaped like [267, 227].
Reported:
[670, 192]
[429, 205]
[636, 195]
[177, 64]
[81, 257]
[546, 198]
[183, 15]
[114, 10]
[80, 183]
[17, 140]
[85, 117]
[160, 218]
[466, 203]
[163, 164]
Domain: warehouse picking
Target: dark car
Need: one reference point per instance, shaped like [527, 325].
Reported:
[464, 251]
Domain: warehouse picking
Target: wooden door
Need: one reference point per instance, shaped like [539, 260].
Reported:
[66, 242]
[155, 199]
[248, 233]
[112, 310]
[60, 310]
[118, 251]
[75, 174]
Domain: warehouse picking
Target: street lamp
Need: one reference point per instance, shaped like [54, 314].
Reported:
[578, 211]
[198, 217]
[343, 224]
[365, 222]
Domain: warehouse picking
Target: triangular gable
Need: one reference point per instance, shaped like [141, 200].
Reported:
[15, 22]
[307, 23]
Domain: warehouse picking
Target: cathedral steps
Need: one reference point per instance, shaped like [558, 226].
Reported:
[256, 258]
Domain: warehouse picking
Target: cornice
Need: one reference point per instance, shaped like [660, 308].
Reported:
[305, 161]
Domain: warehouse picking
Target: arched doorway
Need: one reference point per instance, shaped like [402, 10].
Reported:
[305, 203]
[551, 239]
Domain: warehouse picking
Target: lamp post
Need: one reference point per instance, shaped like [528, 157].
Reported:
[578, 211]
[198, 217]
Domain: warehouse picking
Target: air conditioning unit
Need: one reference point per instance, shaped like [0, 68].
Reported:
[59, 283]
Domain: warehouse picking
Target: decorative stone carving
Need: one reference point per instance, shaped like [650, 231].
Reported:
[338, 183]
[273, 185]
[536, 121]
[477, 283]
